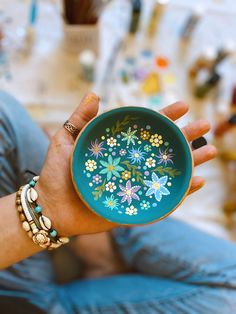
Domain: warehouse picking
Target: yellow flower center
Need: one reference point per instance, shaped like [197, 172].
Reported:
[110, 167]
[164, 157]
[136, 155]
[110, 203]
[156, 186]
[128, 192]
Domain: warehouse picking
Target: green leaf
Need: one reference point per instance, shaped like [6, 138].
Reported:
[127, 164]
[137, 174]
[168, 170]
[97, 193]
[120, 125]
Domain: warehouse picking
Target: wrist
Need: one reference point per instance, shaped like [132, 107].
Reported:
[48, 205]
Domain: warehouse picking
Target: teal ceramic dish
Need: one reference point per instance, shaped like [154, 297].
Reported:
[132, 166]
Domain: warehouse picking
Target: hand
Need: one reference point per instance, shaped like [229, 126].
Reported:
[57, 195]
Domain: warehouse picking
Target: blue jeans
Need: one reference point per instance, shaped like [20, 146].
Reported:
[178, 269]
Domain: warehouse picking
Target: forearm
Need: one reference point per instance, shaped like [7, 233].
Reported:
[15, 243]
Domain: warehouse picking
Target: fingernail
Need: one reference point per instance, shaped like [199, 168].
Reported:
[196, 189]
[199, 142]
[91, 98]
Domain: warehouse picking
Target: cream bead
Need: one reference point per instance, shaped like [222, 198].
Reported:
[19, 208]
[22, 217]
[26, 226]
[63, 240]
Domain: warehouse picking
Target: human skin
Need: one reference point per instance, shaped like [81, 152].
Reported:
[57, 196]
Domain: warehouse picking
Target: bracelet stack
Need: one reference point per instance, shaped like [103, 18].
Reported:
[38, 227]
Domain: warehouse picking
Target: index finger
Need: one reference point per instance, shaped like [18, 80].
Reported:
[175, 111]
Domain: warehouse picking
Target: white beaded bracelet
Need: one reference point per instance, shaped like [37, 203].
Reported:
[37, 226]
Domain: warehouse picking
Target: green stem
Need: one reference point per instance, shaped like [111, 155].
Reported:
[99, 191]
[168, 170]
[120, 125]
[138, 175]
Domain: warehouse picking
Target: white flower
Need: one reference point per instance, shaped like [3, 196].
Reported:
[90, 165]
[111, 141]
[111, 187]
[131, 210]
[150, 162]
[157, 186]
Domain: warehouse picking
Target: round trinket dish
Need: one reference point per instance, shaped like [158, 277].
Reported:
[132, 166]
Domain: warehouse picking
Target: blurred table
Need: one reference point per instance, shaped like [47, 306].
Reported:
[48, 84]
[47, 80]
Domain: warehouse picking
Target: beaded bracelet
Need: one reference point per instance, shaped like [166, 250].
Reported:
[38, 227]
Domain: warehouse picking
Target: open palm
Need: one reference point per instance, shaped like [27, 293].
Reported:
[57, 195]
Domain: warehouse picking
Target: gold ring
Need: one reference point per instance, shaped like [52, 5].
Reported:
[71, 128]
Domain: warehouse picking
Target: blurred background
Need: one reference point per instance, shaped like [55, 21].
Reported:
[144, 53]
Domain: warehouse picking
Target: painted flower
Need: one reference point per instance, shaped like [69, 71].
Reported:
[156, 140]
[147, 148]
[110, 186]
[111, 167]
[111, 202]
[129, 136]
[144, 135]
[125, 175]
[111, 141]
[131, 210]
[97, 179]
[157, 187]
[144, 205]
[128, 192]
[150, 162]
[165, 157]
[122, 152]
[96, 149]
[91, 165]
[136, 155]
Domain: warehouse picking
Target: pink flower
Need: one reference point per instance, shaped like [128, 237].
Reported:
[97, 179]
[165, 157]
[96, 149]
[128, 192]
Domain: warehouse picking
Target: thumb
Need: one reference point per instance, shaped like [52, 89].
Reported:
[86, 110]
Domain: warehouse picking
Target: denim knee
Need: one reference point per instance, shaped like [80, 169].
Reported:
[9, 105]
[20, 133]
[7, 108]
[11, 110]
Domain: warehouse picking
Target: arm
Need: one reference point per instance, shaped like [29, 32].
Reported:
[55, 176]
[57, 196]
[15, 244]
